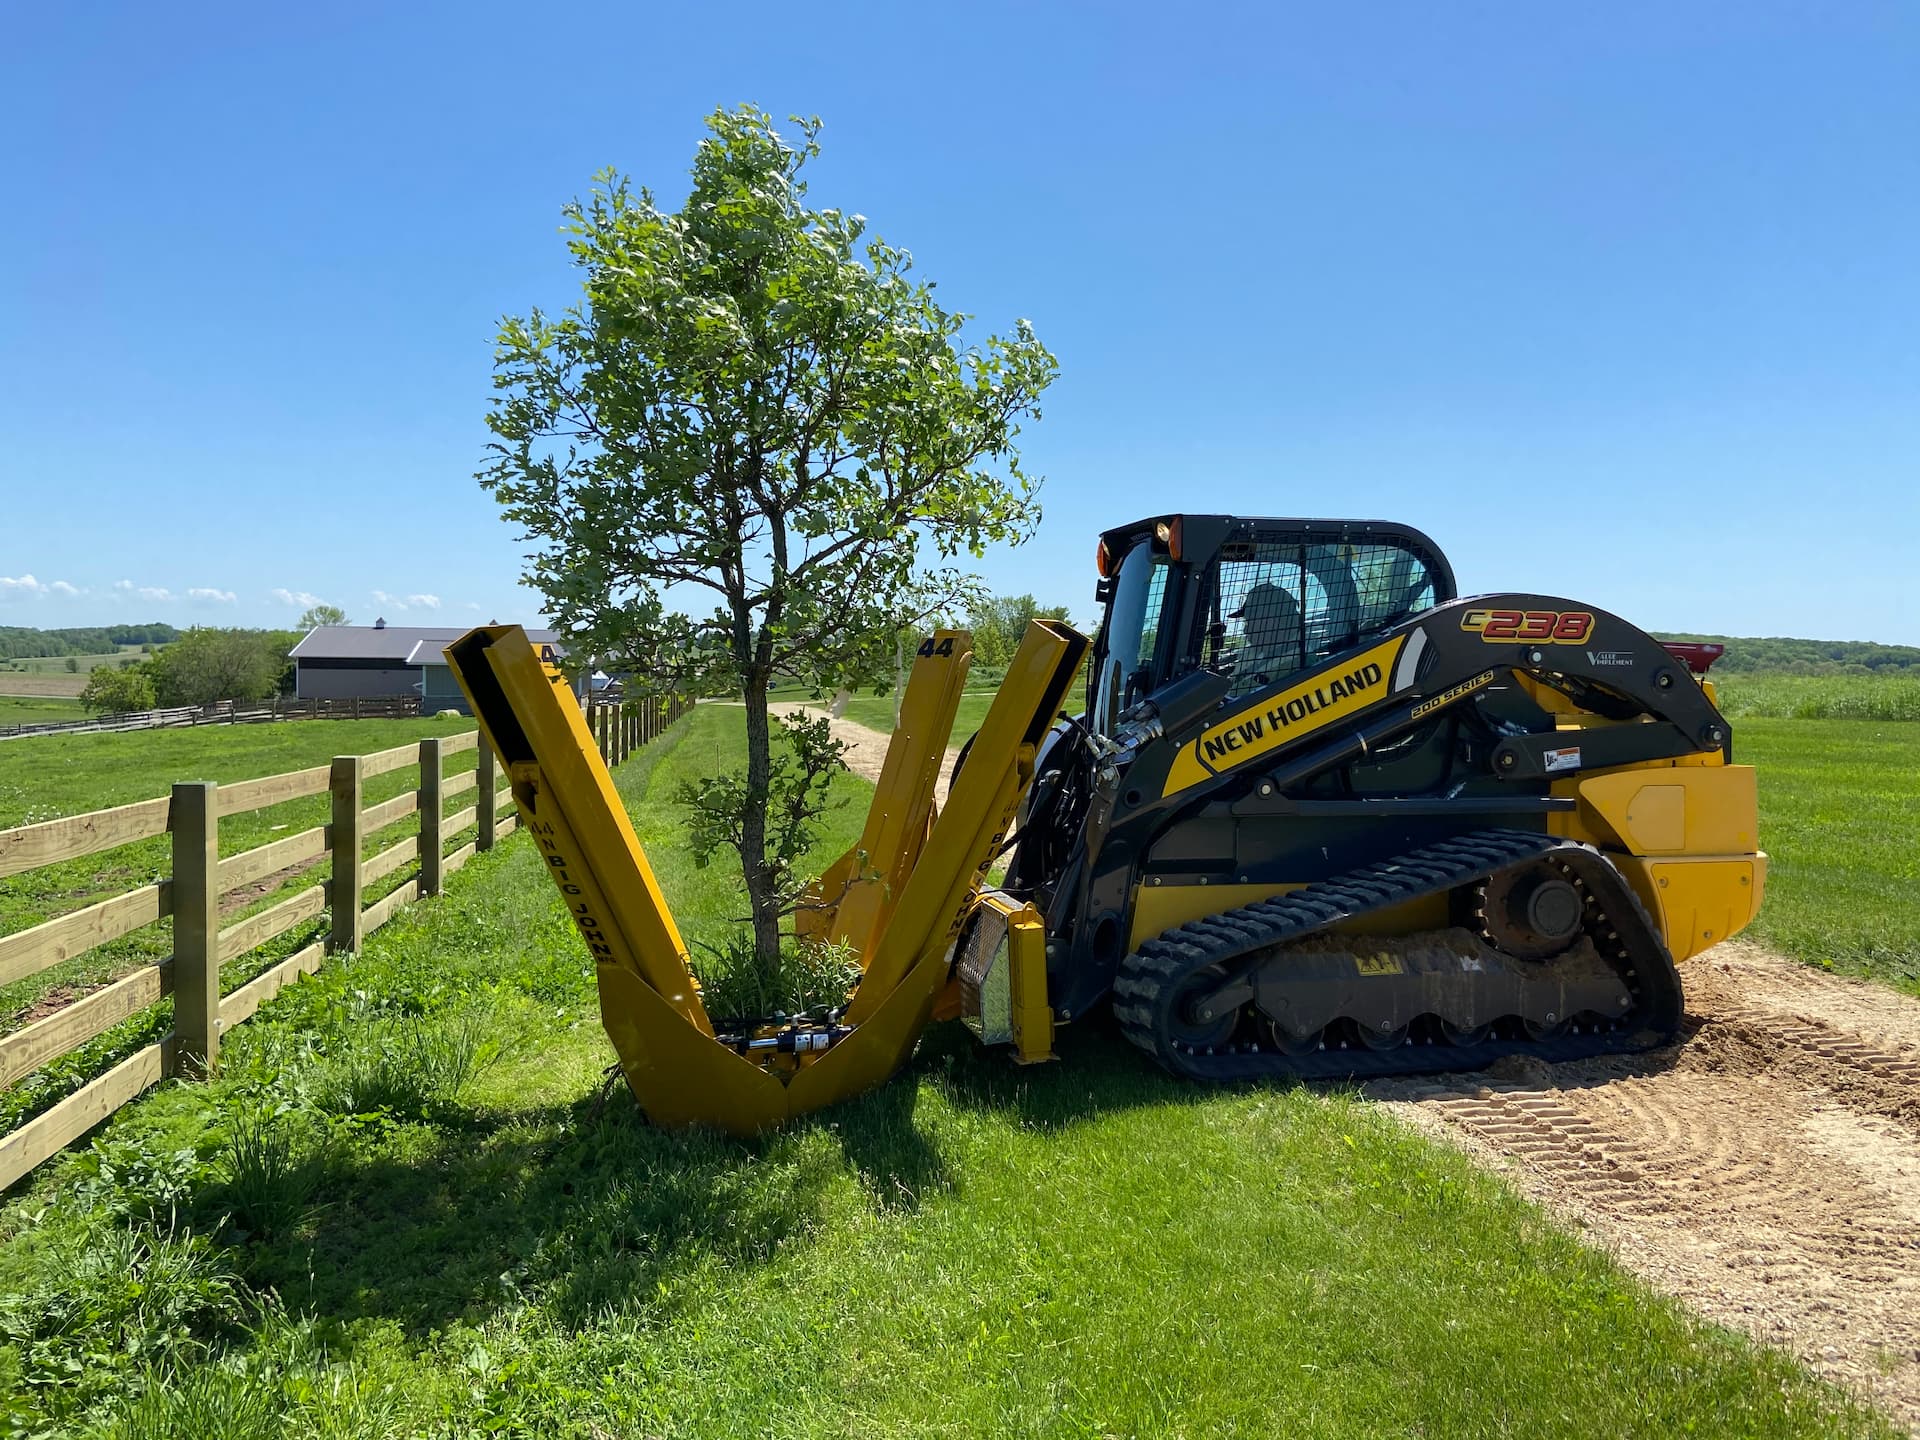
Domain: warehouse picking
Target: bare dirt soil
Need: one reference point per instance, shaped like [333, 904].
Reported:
[1765, 1170]
[61, 685]
[867, 747]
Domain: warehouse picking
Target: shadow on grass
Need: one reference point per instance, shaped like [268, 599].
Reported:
[594, 1210]
[1097, 1073]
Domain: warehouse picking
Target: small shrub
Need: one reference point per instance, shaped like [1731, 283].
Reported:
[114, 1300]
[410, 1068]
[227, 1401]
[132, 1182]
[271, 1167]
[735, 986]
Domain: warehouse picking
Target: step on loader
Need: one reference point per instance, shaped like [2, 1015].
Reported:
[1317, 817]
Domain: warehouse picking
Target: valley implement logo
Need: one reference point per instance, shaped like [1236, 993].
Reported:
[1287, 715]
[1538, 627]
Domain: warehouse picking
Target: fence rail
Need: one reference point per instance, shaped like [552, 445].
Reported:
[229, 712]
[198, 880]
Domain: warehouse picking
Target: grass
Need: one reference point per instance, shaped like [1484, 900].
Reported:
[1887, 696]
[46, 777]
[57, 664]
[38, 709]
[47, 676]
[1081, 1249]
[1840, 817]
[876, 713]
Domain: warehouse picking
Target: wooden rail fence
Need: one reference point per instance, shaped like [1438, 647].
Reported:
[199, 878]
[620, 729]
[229, 712]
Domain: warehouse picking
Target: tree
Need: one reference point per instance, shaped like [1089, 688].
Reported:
[112, 691]
[754, 399]
[73, 665]
[998, 623]
[316, 615]
[205, 665]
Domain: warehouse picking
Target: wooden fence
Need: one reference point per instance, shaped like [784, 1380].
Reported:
[620, 729]
[199, 878]
[230, 712]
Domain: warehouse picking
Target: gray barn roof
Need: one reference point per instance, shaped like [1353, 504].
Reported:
[401, 644]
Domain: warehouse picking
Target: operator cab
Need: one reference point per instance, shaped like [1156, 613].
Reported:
[1252, 599]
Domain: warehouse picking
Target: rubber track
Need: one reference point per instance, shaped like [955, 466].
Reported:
[1624, 934]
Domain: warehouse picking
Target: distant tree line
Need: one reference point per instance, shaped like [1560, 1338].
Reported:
[203, 666]
[998, 624]
[19, 642]
[1780, 655]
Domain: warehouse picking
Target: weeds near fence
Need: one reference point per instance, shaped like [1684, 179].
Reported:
[411, 1069]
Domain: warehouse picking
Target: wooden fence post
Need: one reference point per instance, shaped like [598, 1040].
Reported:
[483, 806]
[196, 928]
[348, 841]
[433, 843]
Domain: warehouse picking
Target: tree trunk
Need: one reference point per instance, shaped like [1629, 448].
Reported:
[765, 905]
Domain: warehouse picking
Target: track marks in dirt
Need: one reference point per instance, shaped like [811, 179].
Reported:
[1766, 1170]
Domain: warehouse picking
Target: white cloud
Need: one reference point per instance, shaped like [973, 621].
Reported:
[472, 605]
[146, 592]
[15, 588]
[206, 595]
[407, 602]
[61, 587]
[302, 599]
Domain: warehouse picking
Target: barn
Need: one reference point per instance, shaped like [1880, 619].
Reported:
[345, 662]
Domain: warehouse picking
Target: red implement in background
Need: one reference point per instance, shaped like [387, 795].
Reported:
[1698, 655]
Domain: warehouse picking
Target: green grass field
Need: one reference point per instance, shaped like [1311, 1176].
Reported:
[1820, 697]
[876, 712]
[39, 710]
[1080, 1249]
[49, 776]
[1840, 816]
[57, 664]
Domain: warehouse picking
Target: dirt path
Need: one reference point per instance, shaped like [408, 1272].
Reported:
[1765, 1171]
[867, 747]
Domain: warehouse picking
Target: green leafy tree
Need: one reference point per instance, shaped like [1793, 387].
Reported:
[316, 615]
[205, 665]
[998, 623]
[756, 400]
[119, 690]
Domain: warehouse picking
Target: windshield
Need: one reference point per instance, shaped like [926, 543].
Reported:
[1128, 638]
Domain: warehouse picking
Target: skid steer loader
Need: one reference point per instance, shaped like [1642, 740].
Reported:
[1318, 817]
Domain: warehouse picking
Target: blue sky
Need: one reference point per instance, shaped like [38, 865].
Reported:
[1618, 302]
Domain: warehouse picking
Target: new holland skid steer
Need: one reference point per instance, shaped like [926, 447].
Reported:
[1317, 817]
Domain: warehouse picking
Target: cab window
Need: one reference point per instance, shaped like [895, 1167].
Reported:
[1279, 608]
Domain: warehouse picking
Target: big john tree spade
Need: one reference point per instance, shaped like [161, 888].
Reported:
[754, 398]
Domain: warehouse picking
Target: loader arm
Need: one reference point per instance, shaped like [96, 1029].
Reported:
[903, 920]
